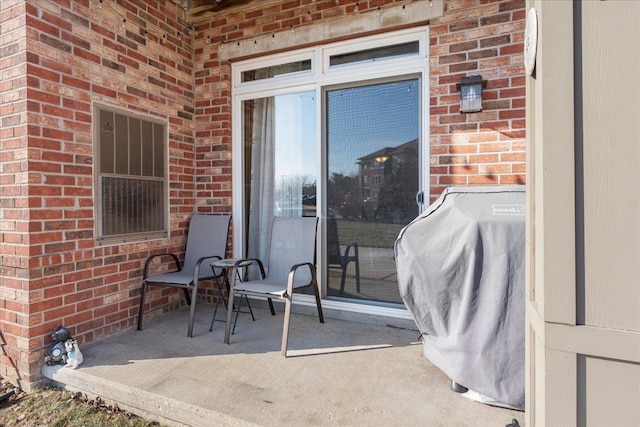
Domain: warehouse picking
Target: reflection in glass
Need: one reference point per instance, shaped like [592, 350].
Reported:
[276, 70]
[280, 163]
[375, 54]
[372, 181]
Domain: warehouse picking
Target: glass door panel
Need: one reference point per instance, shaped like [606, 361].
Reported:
[280, 164]
[372, 134]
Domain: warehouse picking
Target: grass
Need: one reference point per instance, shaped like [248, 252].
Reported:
[51, 407]
[368, 234]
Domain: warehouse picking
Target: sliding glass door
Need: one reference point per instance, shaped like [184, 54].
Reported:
[339, 132]
[372, 134]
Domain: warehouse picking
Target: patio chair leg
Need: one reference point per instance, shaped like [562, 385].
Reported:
[227, 329]
[235, 321]
[250, 310]
[357, 273]
[141, 309]
[316, 290]
[186, 296]
[192, 311]
[273, 311]
[220, 295]
[285, 326]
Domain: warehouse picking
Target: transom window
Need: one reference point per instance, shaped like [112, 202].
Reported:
[375, 54]
[276, 70]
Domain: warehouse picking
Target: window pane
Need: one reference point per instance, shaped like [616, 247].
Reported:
[275, 70]
[129, 147]
[107, 142]
[147, 148]
[122, 145]
[135, 147]
[370, 55]
[373, 178]
[131, 206]
[280, 162]
[158, 151]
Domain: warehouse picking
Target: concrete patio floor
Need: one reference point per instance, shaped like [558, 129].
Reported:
[337, 374]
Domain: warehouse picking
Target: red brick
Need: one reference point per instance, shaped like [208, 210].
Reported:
[74, 104]
[495, 41]
[58, 134]
[512, 5]
[36, 95]
[85, 54]
[56, 21]
[512, 114]
[42, 73]
[54, 110]
[512, 179]
[513, 49]
[512, 92]
[513, 157]
[493, 147]
[453, 180]
[464, 169]
[483, 179]
[513, 134]
[76, 83]
[449, 59]
[45, 27]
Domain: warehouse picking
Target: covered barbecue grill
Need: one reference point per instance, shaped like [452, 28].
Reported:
[461, 271]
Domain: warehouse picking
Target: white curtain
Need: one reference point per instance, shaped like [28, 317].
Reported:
[289, 151]
[262, 203]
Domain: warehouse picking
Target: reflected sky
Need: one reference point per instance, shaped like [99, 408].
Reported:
[365, 119]
[295, 134]
[360, 120]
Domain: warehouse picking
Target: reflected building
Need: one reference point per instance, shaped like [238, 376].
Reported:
[376, 168]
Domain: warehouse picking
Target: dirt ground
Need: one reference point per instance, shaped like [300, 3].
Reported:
[46, 406]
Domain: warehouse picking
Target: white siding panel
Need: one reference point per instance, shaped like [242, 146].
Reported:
[611, 94]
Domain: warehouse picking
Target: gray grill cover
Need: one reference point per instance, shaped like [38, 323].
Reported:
[461, 269]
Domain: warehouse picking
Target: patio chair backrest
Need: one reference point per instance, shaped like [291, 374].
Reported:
[207, 236]
[293, 241]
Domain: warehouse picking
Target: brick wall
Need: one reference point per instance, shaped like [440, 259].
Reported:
[478, 38]
[58, 57]
[14, 197]
[474, 37]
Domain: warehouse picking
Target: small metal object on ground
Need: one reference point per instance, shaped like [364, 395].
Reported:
[458, 388]
[8, 394]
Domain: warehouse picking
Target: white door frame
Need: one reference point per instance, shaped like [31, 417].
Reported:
[319, 76]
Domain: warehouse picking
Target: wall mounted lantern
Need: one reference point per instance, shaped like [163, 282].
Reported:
[471, 94]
